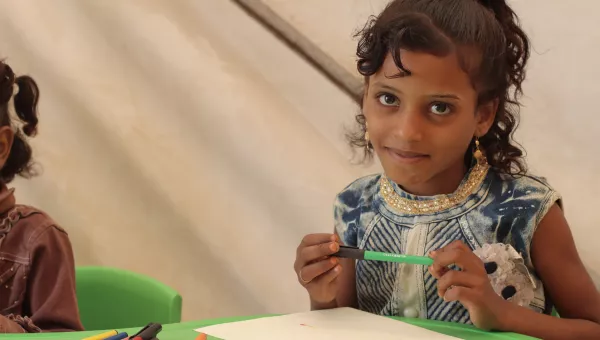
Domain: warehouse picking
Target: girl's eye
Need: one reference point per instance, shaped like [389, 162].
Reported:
[440, 109]
[387, 99]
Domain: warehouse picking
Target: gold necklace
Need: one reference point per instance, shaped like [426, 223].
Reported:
[438, 203]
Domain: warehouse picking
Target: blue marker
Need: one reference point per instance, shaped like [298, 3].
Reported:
[119, 336]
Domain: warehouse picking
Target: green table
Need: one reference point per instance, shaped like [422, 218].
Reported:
[185, 330]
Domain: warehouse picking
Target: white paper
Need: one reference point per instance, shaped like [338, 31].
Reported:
[340, 323]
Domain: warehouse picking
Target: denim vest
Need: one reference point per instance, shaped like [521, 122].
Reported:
[498, 209]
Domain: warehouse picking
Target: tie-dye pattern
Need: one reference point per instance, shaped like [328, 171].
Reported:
[502, 209]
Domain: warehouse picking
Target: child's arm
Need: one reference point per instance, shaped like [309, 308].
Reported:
[557, 263]
[328, 280]
[346, 293]
[50, 293]
[567, 282]
[346, 296]
[9, 326]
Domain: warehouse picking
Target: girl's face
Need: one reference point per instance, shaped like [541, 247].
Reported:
[421, 124]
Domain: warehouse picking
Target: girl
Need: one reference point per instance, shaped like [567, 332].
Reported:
[442, 82]
[37, 274]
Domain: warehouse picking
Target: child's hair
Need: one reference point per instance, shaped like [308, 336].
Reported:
[19, 161]
[492, 49]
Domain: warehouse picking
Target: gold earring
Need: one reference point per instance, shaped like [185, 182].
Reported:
[478, 154]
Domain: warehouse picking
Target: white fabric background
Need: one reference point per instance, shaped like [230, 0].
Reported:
[182, 140]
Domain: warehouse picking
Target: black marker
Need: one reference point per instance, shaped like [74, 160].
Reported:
[148, 333]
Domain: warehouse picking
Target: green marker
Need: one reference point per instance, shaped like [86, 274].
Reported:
[361, 254]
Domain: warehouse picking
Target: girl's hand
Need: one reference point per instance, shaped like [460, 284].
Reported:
[317, 271]
[470, 286]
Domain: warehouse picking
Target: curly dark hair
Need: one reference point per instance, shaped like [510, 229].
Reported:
[492, 49]
[19, 160]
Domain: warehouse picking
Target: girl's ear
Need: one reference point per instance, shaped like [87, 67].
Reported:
[363, 98]
[6, 140]
[485, 115]
[365, 91]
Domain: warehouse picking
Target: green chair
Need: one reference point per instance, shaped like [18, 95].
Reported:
[111, 298]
